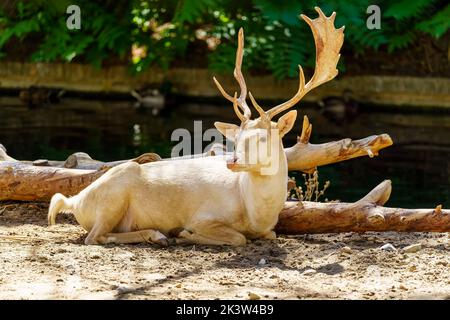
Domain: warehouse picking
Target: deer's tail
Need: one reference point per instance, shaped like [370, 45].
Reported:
[59, 203]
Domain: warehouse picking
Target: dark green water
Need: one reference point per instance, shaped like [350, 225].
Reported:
[418, 163]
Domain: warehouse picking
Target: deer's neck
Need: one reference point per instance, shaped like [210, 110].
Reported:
[264, 195]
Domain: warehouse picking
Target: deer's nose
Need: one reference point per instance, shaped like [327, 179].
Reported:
[232, 159]
[232, 162]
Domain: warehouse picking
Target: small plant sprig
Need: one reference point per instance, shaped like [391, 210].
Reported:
[312, 188]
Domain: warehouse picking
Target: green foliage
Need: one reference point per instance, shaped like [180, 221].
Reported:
[438, 25]
[285, 12]
[401, 41]
[103, 35]
[21, 28]
[191, 10]
[284, 55]
[223, 59]
[406, 9]
[405, 18]
[276, 39]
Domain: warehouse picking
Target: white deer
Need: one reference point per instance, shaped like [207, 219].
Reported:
[211, 200]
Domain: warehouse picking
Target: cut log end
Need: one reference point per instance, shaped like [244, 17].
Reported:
[379, 195]
[4, 155]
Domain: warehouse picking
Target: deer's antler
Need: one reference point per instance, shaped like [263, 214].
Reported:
[328, 42]
[240, 79]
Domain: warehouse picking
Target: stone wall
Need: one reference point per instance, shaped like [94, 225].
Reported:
[389, 90]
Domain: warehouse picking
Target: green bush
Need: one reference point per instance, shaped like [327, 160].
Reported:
[276, 39]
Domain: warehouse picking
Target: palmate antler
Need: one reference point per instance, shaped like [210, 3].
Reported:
[328, 42]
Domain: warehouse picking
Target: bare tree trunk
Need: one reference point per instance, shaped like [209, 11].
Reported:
[367, 214]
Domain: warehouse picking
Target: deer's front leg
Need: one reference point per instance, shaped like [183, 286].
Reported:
[211, 233]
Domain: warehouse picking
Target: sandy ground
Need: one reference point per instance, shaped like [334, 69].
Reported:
[41, 262]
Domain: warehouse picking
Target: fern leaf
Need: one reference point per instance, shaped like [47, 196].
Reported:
[222, 59]
[191, 10]
[400, 41]
[286, 11]
[286, 54]
[438, 25]
[405, 9]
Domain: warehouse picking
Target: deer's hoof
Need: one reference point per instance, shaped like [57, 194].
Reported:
[163, 242]
[174, 233]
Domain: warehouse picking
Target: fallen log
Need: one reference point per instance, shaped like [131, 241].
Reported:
[367, 214]
[39, 180]
[24, 182]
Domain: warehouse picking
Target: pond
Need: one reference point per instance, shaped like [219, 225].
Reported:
[418, 163]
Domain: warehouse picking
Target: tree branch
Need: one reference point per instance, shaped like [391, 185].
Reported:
[305, 156]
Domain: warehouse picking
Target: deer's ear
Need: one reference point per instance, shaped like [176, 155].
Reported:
[229, 130]
[286, 122]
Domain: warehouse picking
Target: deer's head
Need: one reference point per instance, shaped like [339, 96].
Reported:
[257, 141]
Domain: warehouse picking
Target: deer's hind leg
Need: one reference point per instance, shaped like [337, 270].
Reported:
[147, 235]
[100, 229]
[211, 233]
[109, 201]
[108, 215]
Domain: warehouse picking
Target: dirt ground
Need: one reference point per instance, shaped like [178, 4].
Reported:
[41, 262]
